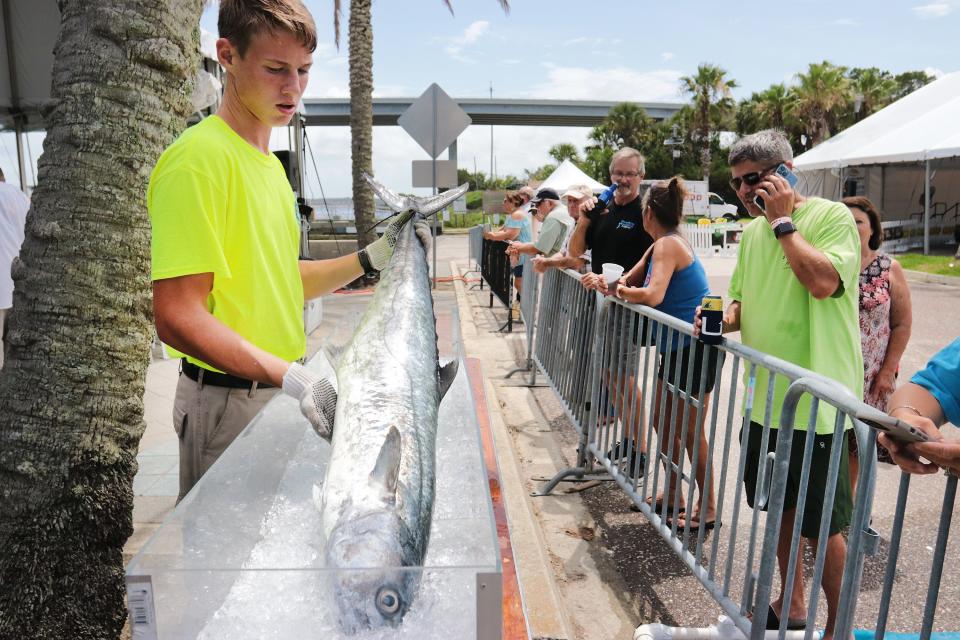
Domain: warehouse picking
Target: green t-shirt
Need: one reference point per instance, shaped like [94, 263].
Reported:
[218, 205]
[780, 317]
[554, 231]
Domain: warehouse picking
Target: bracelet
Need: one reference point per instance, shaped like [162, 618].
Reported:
[781, 220]
[907, 406]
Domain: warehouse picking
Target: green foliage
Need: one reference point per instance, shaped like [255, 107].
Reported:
[940, 265]
[821, 103]
[540, 174]
[565, 151]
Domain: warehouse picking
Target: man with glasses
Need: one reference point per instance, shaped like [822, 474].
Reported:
[794, 295]
[613, 232]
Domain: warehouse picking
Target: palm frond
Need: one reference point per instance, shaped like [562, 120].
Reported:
[337, 11]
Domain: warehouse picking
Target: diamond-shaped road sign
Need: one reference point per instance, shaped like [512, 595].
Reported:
[434, 120]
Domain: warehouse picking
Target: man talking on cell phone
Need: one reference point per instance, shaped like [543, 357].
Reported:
[794, 294]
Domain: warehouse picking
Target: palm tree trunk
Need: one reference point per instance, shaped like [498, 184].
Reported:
[361, 117]
[71, 409]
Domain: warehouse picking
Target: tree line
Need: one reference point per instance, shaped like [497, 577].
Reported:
[823, 100]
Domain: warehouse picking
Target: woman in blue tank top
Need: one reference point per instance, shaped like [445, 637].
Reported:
[676, 284]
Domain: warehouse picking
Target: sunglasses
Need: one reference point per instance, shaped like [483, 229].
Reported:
[751, 179]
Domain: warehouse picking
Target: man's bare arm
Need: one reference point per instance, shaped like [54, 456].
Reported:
[321, 277]
[184, 323]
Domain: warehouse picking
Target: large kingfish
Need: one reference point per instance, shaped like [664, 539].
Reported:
[377, 498]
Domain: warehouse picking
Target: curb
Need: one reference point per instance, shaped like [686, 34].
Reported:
[922, 276]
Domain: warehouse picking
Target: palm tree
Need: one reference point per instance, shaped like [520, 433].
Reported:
[820, 92]
[71, 411]
[772, 106]
[564, 151]
[873, 88]
[361, 107]
[713, 106]
[625, 125]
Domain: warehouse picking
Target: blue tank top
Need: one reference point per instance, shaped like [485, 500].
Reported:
[684, 294]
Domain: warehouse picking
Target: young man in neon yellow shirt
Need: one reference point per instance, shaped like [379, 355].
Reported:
[794, 295]
[228, 289]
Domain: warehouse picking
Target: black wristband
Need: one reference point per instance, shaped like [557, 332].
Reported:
[365, 263]
[783, 229]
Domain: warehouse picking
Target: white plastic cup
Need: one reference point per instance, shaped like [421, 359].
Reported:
[611, 273]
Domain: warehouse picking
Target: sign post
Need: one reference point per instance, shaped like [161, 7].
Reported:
[434, 121]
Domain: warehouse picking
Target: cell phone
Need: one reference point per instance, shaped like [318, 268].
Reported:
[896, 429]
[784, 173]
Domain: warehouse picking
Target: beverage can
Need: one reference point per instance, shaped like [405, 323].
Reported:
[711, 316]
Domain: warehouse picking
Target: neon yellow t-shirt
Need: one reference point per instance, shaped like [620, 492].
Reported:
[218, 205]
[780, 317]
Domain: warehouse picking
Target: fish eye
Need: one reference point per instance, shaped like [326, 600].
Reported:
[388, 601]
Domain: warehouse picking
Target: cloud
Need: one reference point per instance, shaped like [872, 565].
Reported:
[935, 9]
[936, 73]
[510, 61]
[667, 56]
[471, 35]
[615, 83]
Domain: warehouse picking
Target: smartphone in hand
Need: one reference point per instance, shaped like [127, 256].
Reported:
[896, 429]
[784, 173]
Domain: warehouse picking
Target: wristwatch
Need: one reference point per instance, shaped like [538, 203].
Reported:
[365, 263]
[783, 228]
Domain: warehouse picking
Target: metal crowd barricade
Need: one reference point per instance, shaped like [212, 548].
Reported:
[634, 383]
[475, 250]
[495, 269]
[529, 295]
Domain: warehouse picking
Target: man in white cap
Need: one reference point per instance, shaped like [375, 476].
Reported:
[572, 199]
[556, 226]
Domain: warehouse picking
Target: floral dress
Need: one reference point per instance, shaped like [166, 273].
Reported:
[874, 331]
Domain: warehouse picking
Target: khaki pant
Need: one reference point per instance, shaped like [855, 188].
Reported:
[207, 419]
[3, 344]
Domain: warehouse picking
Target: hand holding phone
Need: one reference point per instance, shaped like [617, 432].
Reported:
[784, 173]
[894, 428]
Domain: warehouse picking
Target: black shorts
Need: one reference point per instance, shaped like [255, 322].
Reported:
[817, 481]
[674, 365]
[518, 271]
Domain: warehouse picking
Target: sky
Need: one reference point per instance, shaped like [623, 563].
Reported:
[601, 50]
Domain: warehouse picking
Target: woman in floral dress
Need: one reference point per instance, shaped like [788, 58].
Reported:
[885, 317]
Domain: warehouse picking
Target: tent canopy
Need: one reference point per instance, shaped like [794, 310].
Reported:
[920, 126]
[28, 33]
[568, 175]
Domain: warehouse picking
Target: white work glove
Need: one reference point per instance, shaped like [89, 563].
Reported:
[380, 251]
[318, 398]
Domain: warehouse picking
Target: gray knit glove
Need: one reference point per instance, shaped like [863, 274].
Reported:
[318, 398]
[380, 251]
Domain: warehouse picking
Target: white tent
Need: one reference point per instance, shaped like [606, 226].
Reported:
[905, 158]
[568, 175]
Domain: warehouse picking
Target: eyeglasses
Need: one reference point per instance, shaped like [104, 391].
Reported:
[751, 179]
[616, 175]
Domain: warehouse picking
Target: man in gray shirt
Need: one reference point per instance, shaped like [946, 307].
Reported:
[556, 226]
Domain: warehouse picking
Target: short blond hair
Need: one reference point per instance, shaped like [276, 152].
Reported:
[240, 20]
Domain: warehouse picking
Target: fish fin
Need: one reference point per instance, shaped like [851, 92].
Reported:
[448, 374]
[395, 201]
[387, 468]
[431, 204]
